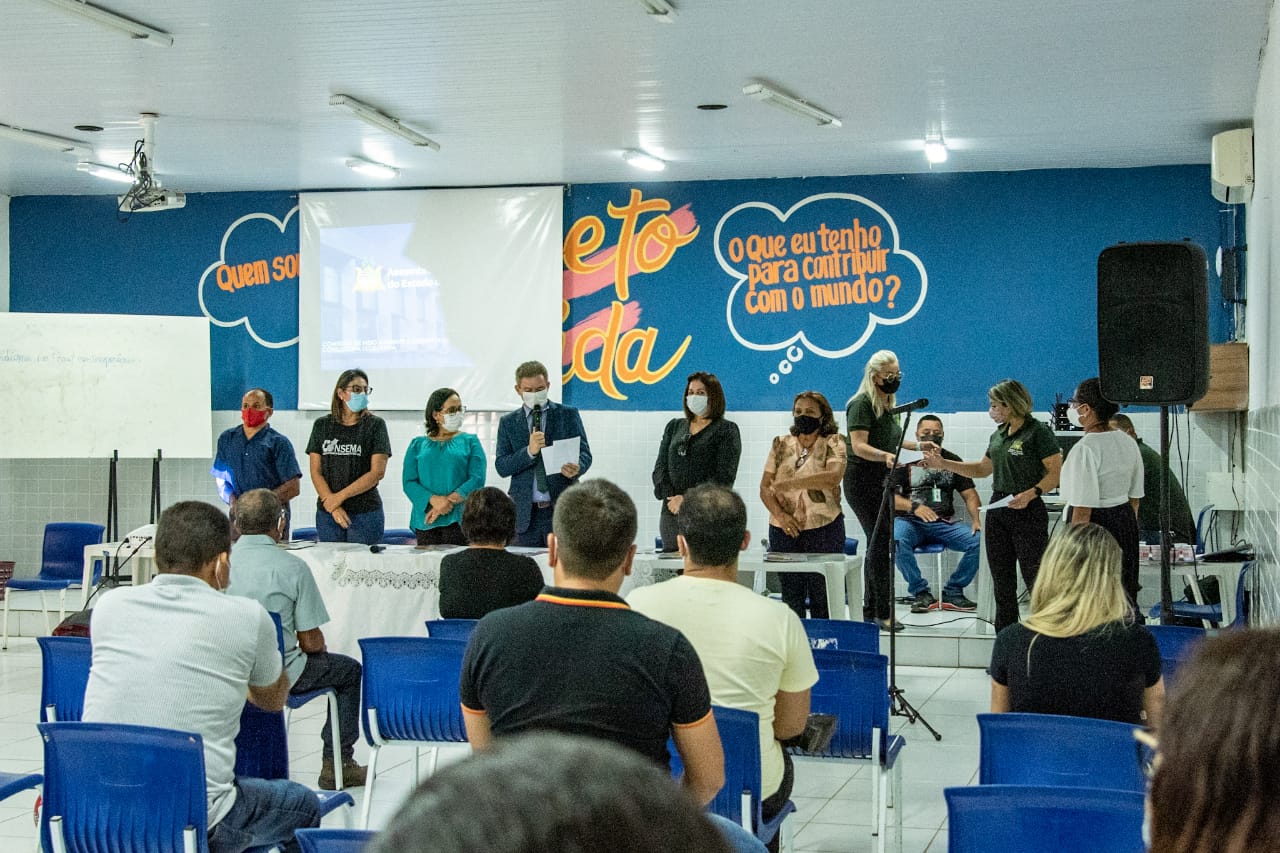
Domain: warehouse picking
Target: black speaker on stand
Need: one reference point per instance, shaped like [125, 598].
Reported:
[1153, 342]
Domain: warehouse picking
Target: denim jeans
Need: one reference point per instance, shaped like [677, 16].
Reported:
[343, 675]
[366, 527]
[266, 811]
[912, 533]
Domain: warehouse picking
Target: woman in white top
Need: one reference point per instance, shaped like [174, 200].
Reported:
[1102, 479]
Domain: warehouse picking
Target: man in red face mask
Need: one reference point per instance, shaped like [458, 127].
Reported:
[255, 456]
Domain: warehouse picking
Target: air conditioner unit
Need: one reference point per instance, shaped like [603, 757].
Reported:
[1231, 166]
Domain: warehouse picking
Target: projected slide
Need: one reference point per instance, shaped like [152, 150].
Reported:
[428, 288]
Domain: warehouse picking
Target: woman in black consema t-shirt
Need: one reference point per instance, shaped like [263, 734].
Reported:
[1079, 652]
[701, 447]
[1024, 458]
[349, 449]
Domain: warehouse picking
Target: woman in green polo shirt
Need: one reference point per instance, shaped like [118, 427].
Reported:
[1024, 458]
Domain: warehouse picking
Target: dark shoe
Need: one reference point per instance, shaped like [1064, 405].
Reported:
[958, 603]
[890, 625]
[923, 602]
[353, 775]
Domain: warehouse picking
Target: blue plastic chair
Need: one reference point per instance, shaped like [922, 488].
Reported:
[739, 800]
[16, 783]
[334, 840]
[296, 701]
[61, 567]
[1058, 751]
[410, 699]
[1177, 644]
[1206, 514]
[843, 635]
[109, 787]
[399, 536]
[855, 687]
[1043, 820]
[1211, 614]
[305, 534]
[850, 547]
[63, 678]
[451, 629]
[936, 550]
[262, 752]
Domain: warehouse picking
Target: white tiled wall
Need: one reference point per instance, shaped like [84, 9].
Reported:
[1262, 518]
[33, 492]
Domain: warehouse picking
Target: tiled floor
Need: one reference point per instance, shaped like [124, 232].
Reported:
[832, 798]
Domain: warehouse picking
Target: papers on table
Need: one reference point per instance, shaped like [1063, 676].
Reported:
[564, 451]
[907, 456]
[1000, 504]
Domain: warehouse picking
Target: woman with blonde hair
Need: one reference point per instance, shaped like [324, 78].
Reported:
[874, 433]
[1078, 653]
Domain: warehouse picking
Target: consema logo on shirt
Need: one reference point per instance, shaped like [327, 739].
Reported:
[331, 447]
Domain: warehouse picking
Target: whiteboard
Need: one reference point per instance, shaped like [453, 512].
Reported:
[83, 385]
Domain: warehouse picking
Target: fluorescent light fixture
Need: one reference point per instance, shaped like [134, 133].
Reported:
[370, 169]
[782, 101]
[935, 150]
[110, 173]
[379, 119]
[659, 10]
[641, 160]
[111, 20]
[44, 140]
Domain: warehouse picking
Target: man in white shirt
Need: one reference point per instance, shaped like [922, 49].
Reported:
[177, 654]
[754, 650]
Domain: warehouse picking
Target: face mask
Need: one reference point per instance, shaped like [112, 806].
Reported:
[534, 398]
[358, 402]
[889, 386]
[697, 403]
[253, 418]
[806, 424]
[453, 421]
[1073, 415]
[996, 414]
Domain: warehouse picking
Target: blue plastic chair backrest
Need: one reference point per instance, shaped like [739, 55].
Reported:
[412, 683]
[119, 787]
[63, 555]
[1043, 820]
[334, 840]
[399, 536]
[843, 635]
[855, 687]
[451, 629]
[64, 676]
[1205, 513]
[850, 546]
[1060, 751]
[1242, 600]
[262, 744]
[275, 617]
[740, 739]
[304, 534]
[1177, 644]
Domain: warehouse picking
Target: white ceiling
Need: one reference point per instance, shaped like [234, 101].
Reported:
[551, 91]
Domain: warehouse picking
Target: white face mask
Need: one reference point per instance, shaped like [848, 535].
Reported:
[534, 398]
[697, 403]
[1073, 415]
[453, 421]
[996, 414]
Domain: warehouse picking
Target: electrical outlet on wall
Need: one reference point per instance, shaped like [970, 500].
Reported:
[1225, 490]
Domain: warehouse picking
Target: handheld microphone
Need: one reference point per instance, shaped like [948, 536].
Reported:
[910, 407]
[537, 418]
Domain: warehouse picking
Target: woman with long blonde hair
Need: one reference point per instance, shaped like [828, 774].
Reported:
[1079, 652]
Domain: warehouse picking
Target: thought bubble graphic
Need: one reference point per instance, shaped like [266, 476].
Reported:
[821, 275]
[254, 282]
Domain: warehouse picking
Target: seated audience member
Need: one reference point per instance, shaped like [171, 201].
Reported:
[1079, 653]
[283, 584]
[925, 504]
[546, 792]
[578, 660]
[1182, 526]
[754, 650]
[487, 576]
[1217, 776]
[176, 654]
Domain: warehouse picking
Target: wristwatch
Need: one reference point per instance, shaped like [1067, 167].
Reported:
[915, 505]
[1039, 491]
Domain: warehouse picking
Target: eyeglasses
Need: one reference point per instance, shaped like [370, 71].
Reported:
[682, 446]
[358, 389]
[889, 377]
[454, 410]
[1149, 757]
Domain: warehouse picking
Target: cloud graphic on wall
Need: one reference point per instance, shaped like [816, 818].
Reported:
[268, 311]
[828, 294]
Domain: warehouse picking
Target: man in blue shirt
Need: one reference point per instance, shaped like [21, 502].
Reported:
[255, 456]
[283, 584]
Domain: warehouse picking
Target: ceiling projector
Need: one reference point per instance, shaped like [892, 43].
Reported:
[151, 200]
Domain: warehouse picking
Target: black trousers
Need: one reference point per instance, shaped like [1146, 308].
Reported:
[772, 804]
[1016, 538]
[1121, 522]
[808, 590]
[864, 490]
[343, 675]
[668, 529]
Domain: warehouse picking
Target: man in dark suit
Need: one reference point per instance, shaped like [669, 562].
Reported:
[521, 436]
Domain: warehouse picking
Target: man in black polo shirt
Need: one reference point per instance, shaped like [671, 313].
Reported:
[578, 660]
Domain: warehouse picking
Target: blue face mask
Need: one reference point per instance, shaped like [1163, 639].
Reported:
[358, 402]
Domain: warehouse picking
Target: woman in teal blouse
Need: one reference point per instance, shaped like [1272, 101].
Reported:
[440, 469]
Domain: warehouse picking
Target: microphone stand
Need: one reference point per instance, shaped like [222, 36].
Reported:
[898, 704]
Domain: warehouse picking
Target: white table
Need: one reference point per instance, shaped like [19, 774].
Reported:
[142, 566]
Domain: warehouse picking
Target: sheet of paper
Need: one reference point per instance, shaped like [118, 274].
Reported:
[565, 450]
[1000, 504]
[907, 456]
